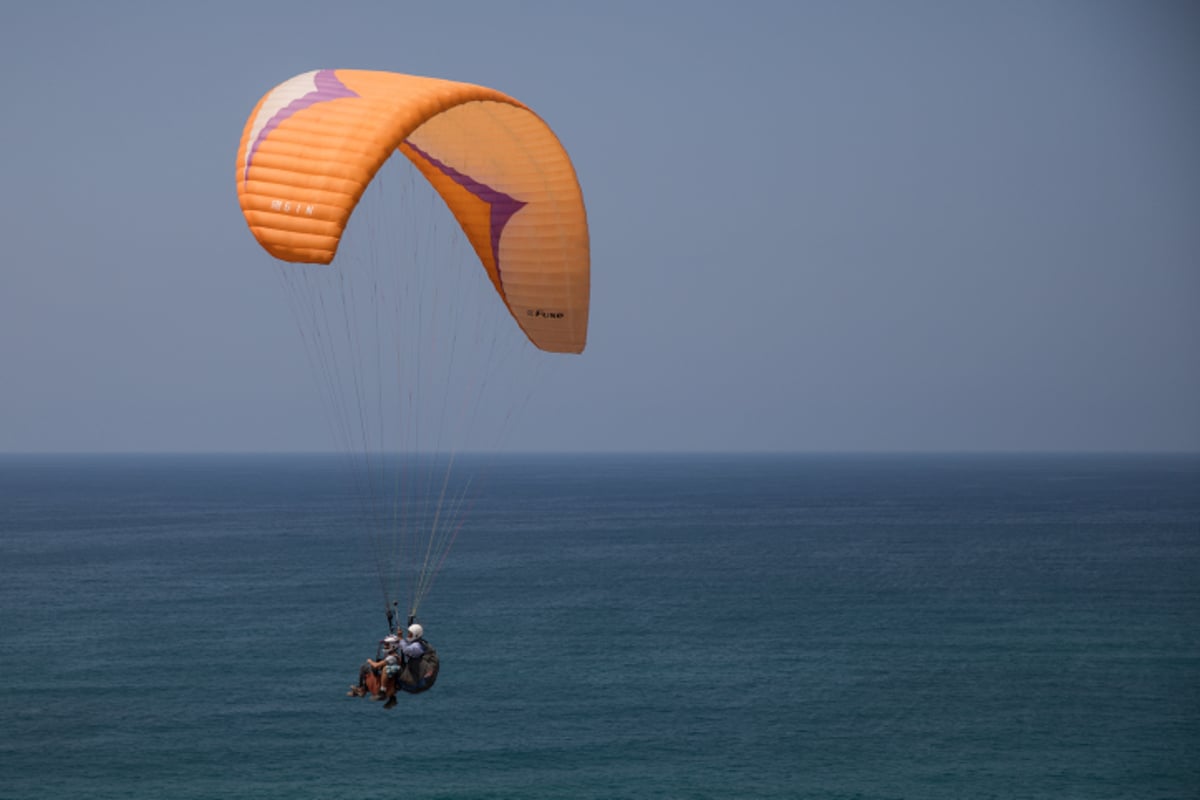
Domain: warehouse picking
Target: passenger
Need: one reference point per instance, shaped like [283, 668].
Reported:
[387, 646]
[389, 673]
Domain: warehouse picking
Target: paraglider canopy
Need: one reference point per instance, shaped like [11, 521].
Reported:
[313, 144]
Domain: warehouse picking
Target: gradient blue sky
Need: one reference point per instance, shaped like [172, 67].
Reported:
[815, 226]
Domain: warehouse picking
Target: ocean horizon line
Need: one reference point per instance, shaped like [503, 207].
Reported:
[865, 453]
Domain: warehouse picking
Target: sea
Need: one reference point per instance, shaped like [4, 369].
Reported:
[610, 626]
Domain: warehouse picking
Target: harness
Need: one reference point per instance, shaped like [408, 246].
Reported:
[421, 672]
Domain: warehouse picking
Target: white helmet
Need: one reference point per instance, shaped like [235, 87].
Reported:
[391, 639]
[415, 631]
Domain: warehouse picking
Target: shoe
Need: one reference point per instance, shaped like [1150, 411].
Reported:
[391, 702]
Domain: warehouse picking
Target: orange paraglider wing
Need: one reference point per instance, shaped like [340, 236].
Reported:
[314, 143]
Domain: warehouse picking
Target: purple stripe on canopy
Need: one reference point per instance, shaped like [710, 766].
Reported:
[328, 88]
[502, 206]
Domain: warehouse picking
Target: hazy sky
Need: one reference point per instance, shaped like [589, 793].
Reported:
[815, 226]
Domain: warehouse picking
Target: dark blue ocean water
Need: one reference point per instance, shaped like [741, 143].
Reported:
[611, 627]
